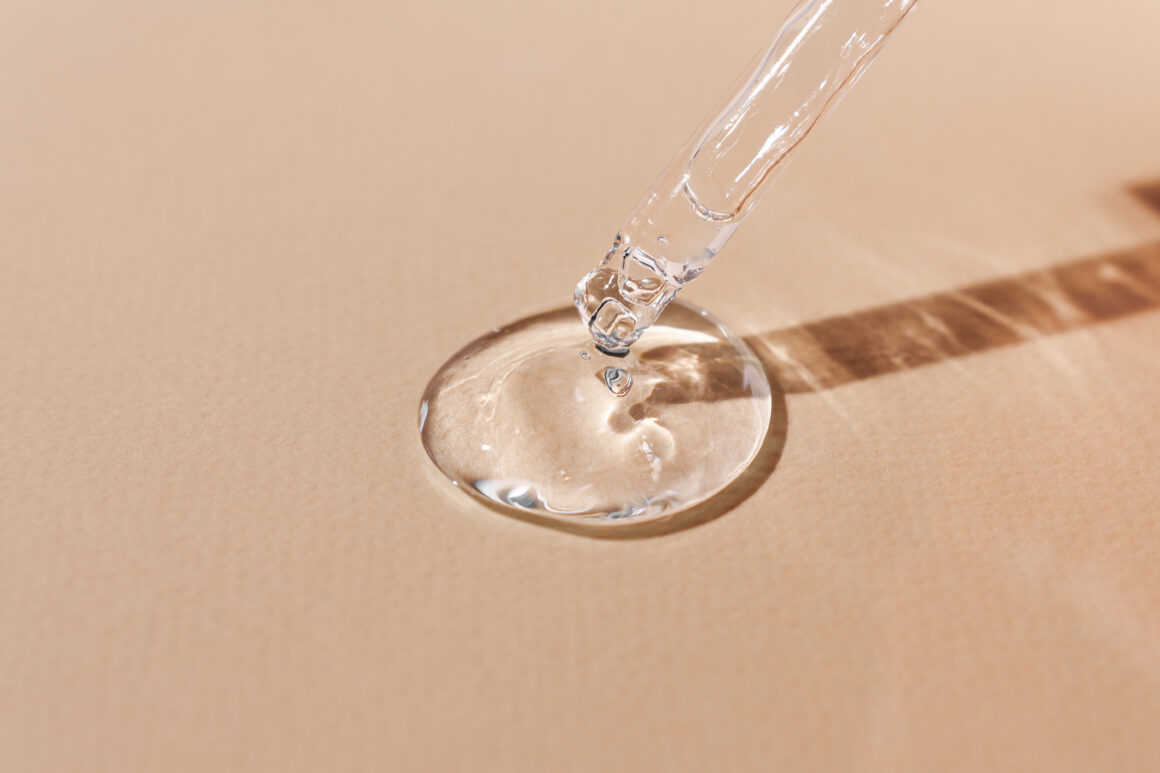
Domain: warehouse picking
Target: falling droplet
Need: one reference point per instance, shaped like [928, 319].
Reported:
[618, 381]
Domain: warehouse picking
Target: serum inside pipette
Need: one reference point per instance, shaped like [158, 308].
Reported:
[713, 183]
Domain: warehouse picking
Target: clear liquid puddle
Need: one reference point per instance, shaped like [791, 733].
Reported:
[518, 419]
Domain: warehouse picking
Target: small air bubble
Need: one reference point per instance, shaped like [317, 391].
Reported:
[662, 240]
[584, 355]
[618, 381]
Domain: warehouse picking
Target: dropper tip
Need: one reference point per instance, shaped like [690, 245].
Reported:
[621, 298]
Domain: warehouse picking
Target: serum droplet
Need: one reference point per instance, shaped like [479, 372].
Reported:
[618, 381]
[505, 414]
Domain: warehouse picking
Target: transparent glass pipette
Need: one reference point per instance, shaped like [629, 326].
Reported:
[707, 190]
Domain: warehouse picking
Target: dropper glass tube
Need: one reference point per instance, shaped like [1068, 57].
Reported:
[712, 184]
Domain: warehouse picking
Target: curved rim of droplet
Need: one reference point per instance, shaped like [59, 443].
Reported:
[527, 505]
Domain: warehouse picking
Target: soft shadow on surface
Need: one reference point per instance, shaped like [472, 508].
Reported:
[888, 339]
[1149, 194]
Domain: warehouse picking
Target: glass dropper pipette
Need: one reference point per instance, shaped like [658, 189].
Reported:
[712, 184]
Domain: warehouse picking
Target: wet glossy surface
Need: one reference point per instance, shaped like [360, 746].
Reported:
[534, 417]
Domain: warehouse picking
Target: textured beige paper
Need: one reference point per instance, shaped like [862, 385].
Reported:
[237, 238]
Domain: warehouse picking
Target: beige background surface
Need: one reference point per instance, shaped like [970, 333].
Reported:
[237, 238]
